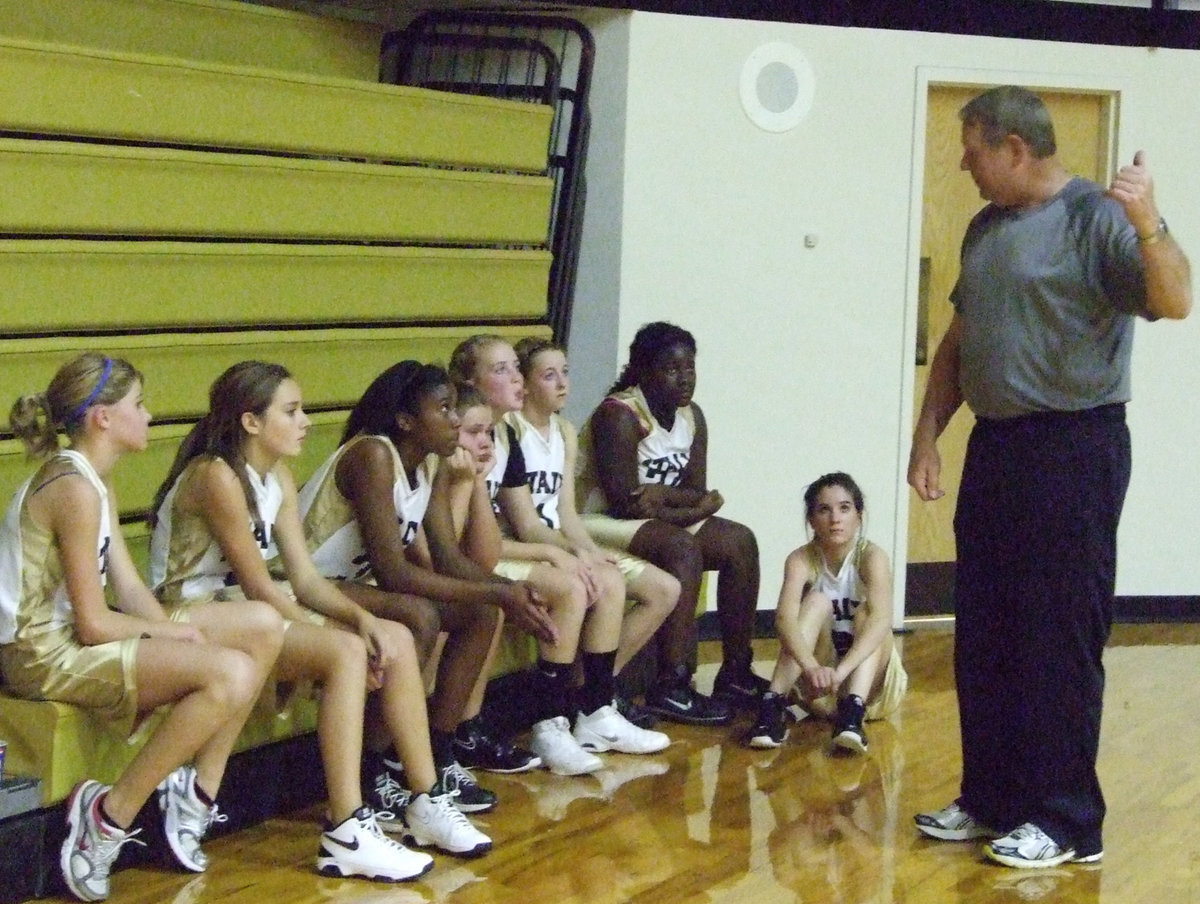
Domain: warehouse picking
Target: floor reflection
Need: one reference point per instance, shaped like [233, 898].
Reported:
[708, 820]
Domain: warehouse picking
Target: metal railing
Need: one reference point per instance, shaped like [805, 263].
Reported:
[518, 56]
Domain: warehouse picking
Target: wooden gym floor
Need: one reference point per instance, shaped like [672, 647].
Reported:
[710, 821]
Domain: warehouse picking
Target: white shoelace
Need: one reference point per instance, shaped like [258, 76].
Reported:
[108, 847]
[459, 775]
[445, 803]
[215, 817]
[1026, 830]
[393, 795]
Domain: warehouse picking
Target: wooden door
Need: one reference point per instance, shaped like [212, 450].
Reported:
[1082, 128]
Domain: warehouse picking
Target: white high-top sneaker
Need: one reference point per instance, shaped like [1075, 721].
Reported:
[436, 821]
[356, 847]
[551, 740]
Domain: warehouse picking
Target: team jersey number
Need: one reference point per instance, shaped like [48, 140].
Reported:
[667, 470]
[104, 555]
[843, 610]
[408, 531]
[262, 536]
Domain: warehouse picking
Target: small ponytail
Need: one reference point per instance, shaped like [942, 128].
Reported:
[88, 379]
[32, 422]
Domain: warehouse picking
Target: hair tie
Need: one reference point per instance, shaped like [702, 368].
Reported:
[87, 403]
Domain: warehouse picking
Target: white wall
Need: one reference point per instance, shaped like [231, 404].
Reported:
[595, 313]
[805, 355]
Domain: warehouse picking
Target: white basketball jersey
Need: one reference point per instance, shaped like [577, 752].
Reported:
[185, 561]
[33, 591]
[662, 455]
[545, 463]
[500, 455]
[333, 534]
[845, 589]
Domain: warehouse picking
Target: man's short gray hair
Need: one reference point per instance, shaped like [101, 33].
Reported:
[1011, 110]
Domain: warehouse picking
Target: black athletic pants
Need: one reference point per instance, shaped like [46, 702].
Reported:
[1036, 529]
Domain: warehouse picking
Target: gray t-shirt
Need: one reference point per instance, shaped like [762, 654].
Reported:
[1046, 299]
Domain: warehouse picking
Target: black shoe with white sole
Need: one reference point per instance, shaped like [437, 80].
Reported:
[770, 729]
[848, 731]
[677, 701]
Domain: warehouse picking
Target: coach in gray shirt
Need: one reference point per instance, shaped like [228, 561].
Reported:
[1054, 270]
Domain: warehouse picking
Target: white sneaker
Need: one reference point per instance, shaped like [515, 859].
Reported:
[551, 740]
[607, 729]
[1027, 847]
[91, 847]
[357, 847]
[436, 821]
[185, 819]
[952, 823]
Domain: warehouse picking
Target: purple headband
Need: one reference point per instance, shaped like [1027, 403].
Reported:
[87, 403]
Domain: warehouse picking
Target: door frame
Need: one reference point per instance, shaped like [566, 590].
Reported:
[928, 77]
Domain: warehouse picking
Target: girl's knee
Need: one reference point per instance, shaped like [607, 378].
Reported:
[682, 556]
[663, 592]
[401, 639]
[235, 678]
[745, 542]
[347, 650]
[565, 593]
[816, 601]
[266, 626]
[737, 544]
[611, 581]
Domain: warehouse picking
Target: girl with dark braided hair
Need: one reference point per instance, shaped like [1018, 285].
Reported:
[643, 487]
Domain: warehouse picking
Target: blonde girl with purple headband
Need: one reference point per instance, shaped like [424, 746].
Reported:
[60, 546]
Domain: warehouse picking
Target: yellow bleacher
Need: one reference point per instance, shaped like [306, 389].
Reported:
[187, 215]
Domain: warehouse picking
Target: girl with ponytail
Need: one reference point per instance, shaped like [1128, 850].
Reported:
[60, 545]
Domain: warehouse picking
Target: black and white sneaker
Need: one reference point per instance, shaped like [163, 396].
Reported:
[474, 748]
[952, 823]
[738, 686]
[606, 729]
[676, 700]
[770, 729]
[848, 731]
[1028, 847]
[388, 796]
[457, 782]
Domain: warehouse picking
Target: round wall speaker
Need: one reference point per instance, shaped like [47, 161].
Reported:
[777, 87]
